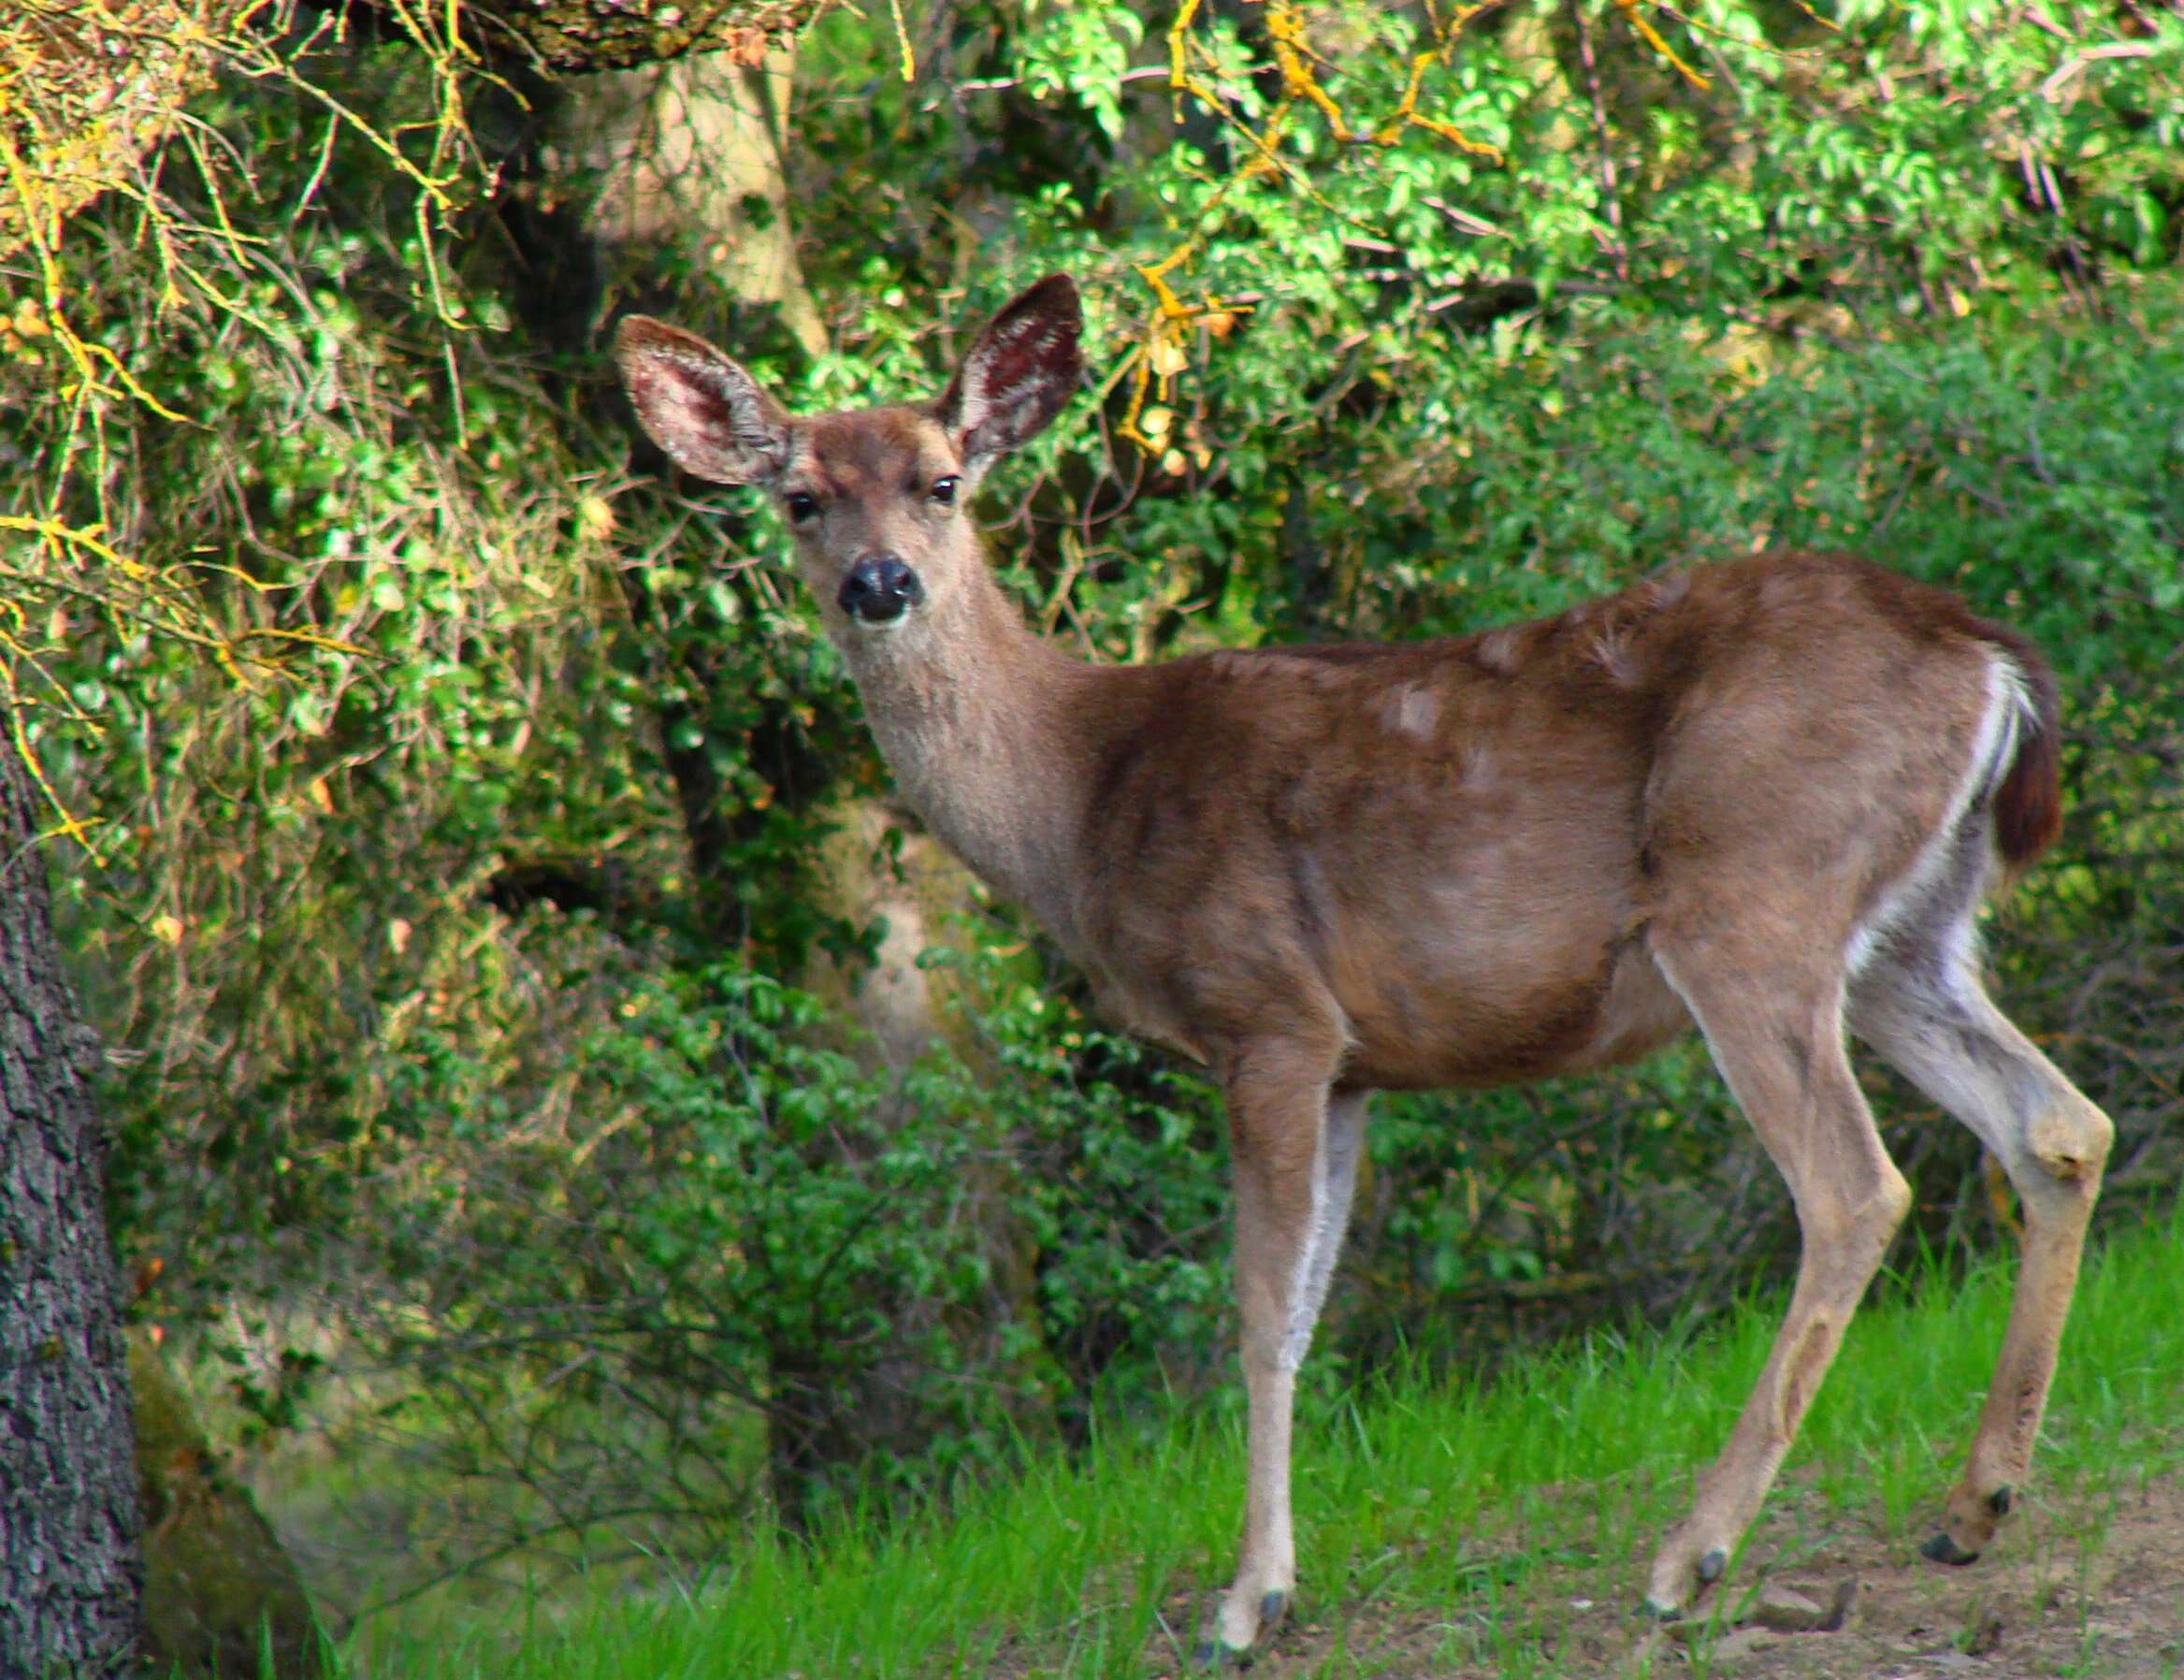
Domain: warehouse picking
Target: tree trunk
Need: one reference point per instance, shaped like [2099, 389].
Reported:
[96, 88]
[71, 1574]
[687, 162]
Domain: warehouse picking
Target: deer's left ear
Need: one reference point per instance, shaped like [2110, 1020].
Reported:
[1023, 369]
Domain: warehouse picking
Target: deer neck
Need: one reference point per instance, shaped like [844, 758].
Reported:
[981, 722]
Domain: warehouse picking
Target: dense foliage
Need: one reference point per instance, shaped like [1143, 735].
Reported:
[456, 798]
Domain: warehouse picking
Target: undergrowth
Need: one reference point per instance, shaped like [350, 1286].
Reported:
[1422, 1493]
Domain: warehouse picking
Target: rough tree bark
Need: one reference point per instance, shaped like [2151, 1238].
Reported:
[88, 88]
[620, 35]
[71, 1574]
[687, 163]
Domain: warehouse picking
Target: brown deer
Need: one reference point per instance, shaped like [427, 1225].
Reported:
[1764, 798]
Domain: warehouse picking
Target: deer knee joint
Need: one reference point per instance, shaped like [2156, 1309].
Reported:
[1892, 1205]
[1866, 1228]
[2070, 1141]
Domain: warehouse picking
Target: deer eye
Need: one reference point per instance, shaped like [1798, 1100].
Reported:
[944, 491]
[802, 505]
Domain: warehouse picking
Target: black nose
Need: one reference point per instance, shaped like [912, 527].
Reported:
[879, 590]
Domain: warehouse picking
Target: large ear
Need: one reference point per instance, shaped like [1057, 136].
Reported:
[708, 415]
[1019, 373]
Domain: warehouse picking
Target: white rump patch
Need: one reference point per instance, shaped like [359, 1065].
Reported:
[2009, 708]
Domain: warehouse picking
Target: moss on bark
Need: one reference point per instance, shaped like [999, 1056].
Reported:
[620, 35]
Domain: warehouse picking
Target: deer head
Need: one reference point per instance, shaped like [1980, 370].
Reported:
[875, 499]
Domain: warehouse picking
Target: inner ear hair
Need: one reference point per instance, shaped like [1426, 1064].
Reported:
[711, 416]
[1021, 372]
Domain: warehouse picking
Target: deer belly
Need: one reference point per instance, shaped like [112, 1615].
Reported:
[1467, 1011]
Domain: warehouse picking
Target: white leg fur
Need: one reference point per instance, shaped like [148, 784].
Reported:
[1333, 1183]
[1266, 1574]
[2008, 710]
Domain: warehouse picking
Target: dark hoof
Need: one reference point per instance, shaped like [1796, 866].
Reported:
[1942, 1549]
[1648, 1610]
[1272, 1608]
[2001, 1499]
[1214, 1655]
[1712, 1565]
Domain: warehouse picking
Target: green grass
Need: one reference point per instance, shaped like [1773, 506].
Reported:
[1427, 1496]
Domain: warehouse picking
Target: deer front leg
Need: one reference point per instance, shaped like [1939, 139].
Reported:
[1295, 1163]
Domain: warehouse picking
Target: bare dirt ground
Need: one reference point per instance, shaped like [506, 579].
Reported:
[2081, 1583]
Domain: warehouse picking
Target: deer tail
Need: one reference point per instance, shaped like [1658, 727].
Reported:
[2028, 804]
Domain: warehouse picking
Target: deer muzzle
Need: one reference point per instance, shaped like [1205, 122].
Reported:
[879, 590]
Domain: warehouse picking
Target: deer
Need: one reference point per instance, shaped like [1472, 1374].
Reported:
[1764, 798]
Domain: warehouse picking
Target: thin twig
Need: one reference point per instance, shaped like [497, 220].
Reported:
[1617, 247]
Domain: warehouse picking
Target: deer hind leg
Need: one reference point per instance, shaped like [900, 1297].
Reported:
[1919, 1003]
[1778, 1041]
[1295, 1160]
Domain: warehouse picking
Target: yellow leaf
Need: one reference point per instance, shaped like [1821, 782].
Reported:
[166, 930]
[595, 519]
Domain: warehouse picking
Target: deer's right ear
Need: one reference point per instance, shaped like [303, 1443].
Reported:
[708, 415]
